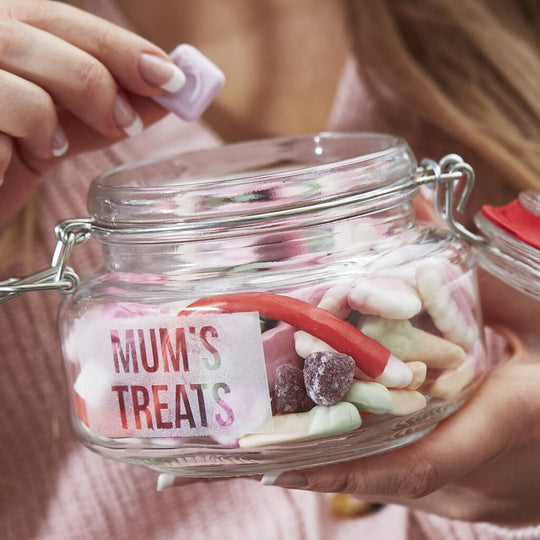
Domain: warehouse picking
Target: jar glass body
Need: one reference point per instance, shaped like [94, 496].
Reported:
[268, 305]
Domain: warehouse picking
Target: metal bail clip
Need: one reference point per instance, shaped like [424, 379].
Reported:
[59, 276]
[450, 176]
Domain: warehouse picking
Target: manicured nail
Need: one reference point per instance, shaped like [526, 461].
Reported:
[287, 479]
[159, 72]
[126, 117]
[169, 481]
[59, 143]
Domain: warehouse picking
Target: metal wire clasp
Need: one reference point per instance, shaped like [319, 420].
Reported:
[450, 176]
[59, 276]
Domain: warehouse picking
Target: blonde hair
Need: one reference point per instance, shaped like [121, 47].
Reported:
[472, 67]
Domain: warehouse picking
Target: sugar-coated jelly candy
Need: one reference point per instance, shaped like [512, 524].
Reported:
[328, 376]
[290, 394]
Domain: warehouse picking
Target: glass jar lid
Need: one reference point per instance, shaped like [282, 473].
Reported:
[513, 251]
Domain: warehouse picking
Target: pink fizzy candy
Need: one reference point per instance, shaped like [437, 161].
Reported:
[204, 80]
[278, 346]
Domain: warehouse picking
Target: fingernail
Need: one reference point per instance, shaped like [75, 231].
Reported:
[161, 73]
[59, 143]
[125, 116]
[169, 481]
[287, 479]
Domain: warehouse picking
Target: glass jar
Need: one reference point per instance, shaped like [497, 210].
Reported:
[268, 305]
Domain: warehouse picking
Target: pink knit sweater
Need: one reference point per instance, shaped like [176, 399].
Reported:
[53, 488]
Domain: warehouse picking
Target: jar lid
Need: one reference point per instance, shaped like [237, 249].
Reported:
[513, 251]
[520, 218]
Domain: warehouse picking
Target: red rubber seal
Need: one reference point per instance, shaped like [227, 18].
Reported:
[516, 220]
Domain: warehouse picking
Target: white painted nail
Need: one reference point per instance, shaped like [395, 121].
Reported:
[269, 479]
[165, 481]
[160, 73]
[287, 479]
[168, 481]
[60, 143]
[135, 128]
[126, 117]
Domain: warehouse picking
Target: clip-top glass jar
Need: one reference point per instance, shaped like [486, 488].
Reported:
[268, 305]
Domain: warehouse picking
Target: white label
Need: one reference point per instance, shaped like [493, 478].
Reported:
[162, 376]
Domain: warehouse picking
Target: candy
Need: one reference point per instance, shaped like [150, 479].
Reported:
[369, 396]
[407, 402]
[368, 354]
[306, 344]
[447, 314]
[396, 374]
[290, 394]
[278, 346]
[328, 376]
[318, 422]
[376, 398]
[386, 297]
[248, 415]
[338, 418]
[419, 371]
[452, 381]
[334, 300]
[93, 384]
[204, 80]
[412, 344]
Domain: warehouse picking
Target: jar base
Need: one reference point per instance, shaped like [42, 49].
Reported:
[203, 460]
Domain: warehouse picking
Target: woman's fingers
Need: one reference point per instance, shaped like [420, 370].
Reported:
[80, 60]
[74, 79]
[138, 65]
[69, 82]
[6, 151]
[31, 117]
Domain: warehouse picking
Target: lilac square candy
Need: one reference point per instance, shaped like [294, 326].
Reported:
[204, 80]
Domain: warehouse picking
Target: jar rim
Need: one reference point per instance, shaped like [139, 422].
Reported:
[253, 182]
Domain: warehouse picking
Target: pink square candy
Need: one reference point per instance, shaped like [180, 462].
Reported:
[204, 80]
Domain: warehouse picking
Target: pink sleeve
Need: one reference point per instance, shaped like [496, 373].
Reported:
[439, 528]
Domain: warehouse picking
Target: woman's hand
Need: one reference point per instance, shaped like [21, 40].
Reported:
[69, 82]
[481, 464]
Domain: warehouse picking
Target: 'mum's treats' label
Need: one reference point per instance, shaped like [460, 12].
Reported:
[195, 375]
